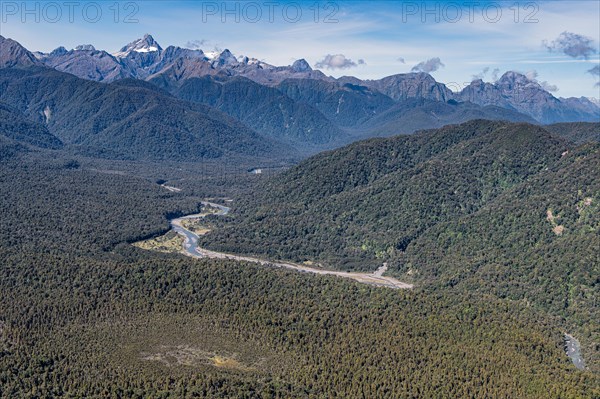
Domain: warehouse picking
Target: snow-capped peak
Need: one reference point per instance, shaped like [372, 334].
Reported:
[594, 101]
[211, 55]
[147, 44]
[221, 57]
[226, 58]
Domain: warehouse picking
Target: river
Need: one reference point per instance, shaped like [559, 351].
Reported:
[192, 249]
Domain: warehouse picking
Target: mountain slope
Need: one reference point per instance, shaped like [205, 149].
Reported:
[536, 243]
[577, 132]
[125, 121]
[265, 109]
[87, 63]
[487, 207]
[145, 59]
[407, 85]
[516, 91]
[13, 54]
[411, 115]
[16, 126]
[353, 206]
[347, 105]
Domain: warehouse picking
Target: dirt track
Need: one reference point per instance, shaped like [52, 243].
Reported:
[191, 249]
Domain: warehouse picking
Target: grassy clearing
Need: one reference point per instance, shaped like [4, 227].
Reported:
[195, 226]
[174, 343]
[168, 243]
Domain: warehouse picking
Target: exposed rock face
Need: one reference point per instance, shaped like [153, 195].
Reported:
[301, 66]
[57, 52]
[145, 59]
[516, 91]
[483, 93]
[13, 54]
[582, 105]
[411, 85]
[147, 44]
[88, 64]
[226, 59]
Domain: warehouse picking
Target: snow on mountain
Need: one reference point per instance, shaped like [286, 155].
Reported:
[594, 100]
[145, 59]
[211, 55]
[147, 44]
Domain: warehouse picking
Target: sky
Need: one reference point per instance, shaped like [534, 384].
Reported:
[556, 43]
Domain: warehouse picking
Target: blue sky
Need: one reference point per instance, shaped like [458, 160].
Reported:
[470, 38]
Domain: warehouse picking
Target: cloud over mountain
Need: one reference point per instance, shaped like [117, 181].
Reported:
[481, 74]
[338, 61]
[548, 87]
[431, 65]
[196, 44]
[596, 72]
[533, 74]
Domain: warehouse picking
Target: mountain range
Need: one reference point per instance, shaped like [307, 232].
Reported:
[292, 110]
[123, 120]
[146, 59]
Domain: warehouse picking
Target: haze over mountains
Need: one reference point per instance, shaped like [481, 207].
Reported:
[268, 111]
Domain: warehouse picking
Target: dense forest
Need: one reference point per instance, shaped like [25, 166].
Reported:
[578, 132]
[351, 207]
[504, 209]
[85, 314]
[496, 225]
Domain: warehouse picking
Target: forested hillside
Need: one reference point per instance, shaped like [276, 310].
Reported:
[129, 121]
[264, 109]
[83, 314]
[17, 127]
[358, 205]
[578, 132]
[507, 209]
[538, 243]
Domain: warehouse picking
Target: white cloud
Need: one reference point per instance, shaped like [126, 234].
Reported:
[481, 74]
[337, 61]
[533, 76]
[431, 65]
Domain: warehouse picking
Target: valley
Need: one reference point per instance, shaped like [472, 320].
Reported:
[189, 222]
[190, 246]
[256, 327]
